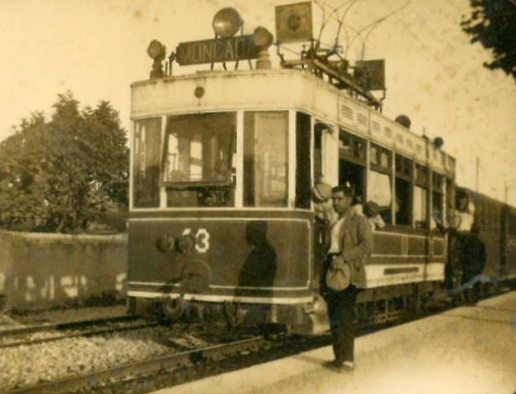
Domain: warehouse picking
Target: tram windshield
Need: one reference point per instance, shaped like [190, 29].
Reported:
[199, 149]
[198, 160]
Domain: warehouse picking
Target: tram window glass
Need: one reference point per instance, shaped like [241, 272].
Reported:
[403, 187]
[402, 204]
[420, 198]
[450, 194]
[352, 148]
[403, 167]
[345, 142]
[303, 163]
[380, 180]
[352, 162]
[146, 163]
[437, 197]
[266, 159]
[318, 133]
[380, 191]
[353, 175]
[198, 167]
[380, 159]
[421, 175]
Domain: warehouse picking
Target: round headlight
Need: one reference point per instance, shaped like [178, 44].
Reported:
[226, 22]
[156, 50]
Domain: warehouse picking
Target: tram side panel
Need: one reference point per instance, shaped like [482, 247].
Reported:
[403, 258]
[249, 260]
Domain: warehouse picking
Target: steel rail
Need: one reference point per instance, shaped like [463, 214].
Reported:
[179, 359]
[64, 326]
[88, 333]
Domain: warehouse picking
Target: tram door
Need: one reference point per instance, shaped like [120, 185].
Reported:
[320, 231]
[322, 172]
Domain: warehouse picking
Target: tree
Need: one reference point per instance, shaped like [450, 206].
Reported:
[493, 24]
[62, 174]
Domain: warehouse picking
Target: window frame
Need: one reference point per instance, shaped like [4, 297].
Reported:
[192, 184]
[212, 188]
[358, 153]
[132, 199]
[289, 154]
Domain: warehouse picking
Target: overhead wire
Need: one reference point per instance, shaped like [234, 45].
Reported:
[372, 26]
[322, 5]
[341, 20]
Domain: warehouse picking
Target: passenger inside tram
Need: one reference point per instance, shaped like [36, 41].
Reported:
[372, 213]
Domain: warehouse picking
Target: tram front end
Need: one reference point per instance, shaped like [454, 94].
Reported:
[220, 210]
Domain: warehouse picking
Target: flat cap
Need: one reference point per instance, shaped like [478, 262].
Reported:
[322, 191]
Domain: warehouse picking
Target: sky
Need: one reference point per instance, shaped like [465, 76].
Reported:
[97, 48]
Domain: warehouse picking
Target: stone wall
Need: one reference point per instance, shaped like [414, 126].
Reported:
[41, 270]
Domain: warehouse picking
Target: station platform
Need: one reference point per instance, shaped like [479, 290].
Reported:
[469, 349]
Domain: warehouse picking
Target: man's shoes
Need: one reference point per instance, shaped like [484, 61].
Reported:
[339, 366]
[334, 364]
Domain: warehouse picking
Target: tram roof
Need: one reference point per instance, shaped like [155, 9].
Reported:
[282, 89]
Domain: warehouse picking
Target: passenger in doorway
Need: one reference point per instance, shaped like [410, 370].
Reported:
[473, 261]
[323, 208]
[453, 269]
[350, 244]
[465, 214]
[372, 213]
[325, 216]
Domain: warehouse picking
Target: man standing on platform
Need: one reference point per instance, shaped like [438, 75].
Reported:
[351, 243]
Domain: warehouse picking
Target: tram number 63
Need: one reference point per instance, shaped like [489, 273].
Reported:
[202, 239]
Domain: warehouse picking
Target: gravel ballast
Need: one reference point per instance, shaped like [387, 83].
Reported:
[34, 364]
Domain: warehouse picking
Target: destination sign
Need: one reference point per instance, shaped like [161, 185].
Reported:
[216, 50]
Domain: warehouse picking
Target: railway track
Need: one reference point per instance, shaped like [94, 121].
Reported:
[66, 325]
[75, 329]
[184, 358]
[174, 365]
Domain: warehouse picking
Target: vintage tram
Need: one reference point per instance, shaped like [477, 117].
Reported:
[221, 212]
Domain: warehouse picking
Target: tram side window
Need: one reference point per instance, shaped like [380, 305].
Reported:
[450, 195]
[380, 191]
[266, 159]
[318, 159]
[303, 163]
[421, 197]
[146, 163]
[403, 191]
[352, 163]
[437, 198]
[380, 180]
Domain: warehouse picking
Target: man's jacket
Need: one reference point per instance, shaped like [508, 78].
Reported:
[356, 244]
